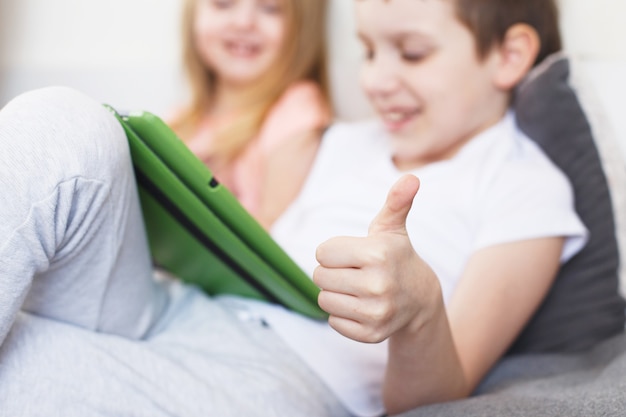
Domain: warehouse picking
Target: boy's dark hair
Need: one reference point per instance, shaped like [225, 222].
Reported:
[489, 20]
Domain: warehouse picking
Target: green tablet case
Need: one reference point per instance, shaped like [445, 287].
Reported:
[198, 231]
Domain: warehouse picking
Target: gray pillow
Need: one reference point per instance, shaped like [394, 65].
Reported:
[584, 305]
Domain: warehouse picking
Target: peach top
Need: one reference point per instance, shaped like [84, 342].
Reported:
[300, 109]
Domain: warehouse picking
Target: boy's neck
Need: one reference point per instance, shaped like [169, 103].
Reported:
[406, 165]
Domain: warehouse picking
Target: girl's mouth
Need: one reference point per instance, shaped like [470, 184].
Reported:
[242, 49]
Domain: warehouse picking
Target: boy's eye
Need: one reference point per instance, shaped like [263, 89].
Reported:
[413, 57]
[222, 4]
[414, 51]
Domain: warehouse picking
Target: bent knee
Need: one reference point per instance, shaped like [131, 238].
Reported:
[61, 130]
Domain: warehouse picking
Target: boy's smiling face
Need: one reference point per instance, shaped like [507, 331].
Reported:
[423, 76]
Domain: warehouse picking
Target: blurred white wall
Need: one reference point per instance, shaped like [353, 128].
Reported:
[594, 32]
[125, 52]
[594, 29]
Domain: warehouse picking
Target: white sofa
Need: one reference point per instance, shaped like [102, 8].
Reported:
[587, 384]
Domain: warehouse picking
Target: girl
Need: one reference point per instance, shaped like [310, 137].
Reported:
[257, 71]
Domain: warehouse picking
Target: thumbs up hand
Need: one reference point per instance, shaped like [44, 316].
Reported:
[392, 217]
[374, 286]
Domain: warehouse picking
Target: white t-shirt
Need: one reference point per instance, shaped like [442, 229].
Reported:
[498, 188]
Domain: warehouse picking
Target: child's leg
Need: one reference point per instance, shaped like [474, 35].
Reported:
[72, 244]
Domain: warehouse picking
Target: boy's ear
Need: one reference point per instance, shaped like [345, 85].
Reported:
[516, 55]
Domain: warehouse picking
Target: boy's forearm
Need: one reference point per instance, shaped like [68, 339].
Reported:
[423, 365]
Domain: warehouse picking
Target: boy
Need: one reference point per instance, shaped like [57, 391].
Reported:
[440, 74]
[489, 227]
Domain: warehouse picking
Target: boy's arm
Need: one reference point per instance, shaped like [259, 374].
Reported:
[377, 288]
[501, 288]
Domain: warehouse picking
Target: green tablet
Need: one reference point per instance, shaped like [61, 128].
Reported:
[199, 232]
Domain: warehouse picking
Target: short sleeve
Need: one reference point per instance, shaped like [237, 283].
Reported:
[302, 108]
[530, 199]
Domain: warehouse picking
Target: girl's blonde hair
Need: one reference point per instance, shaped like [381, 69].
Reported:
[303, 57]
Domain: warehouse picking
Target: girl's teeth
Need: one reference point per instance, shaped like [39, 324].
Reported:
[395, 116]
[242, 48]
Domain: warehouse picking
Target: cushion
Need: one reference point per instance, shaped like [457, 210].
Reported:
[587, 77]
[584, 306]
[584, 384]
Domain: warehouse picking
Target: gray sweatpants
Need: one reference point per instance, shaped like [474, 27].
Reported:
[85, 328]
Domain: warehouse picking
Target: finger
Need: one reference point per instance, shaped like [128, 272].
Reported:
[343, 314]
[340, 305]
[374, 312]
[340, 280]
[392, 217]
[341, 252]
[355, 330]
[348, 328]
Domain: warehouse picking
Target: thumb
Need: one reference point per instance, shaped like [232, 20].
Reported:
[392, 217]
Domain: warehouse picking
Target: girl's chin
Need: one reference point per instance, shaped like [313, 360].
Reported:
[241, 78]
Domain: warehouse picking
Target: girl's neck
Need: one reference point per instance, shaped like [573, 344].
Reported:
[227, 99]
